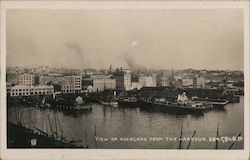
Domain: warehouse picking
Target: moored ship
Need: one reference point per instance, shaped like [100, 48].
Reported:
[182, 105]
[128, 102]
[217, 103]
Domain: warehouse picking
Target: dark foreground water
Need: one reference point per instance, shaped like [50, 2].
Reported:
[134, 128]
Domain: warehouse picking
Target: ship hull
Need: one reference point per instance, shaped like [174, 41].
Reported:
[127, 104]
[173, 108]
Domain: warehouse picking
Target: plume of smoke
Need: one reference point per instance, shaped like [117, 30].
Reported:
[76, 49]
[131, 62]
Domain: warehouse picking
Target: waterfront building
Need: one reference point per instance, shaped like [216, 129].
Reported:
[187, 82]
[104, 83]
[123, 79]
[90, 88]
[147, 81]
[31, 90]
[199, 82]
[162, 81]
[99, 84]
[71, 84]
[136, 85]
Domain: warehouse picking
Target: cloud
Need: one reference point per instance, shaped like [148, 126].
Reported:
[134, 43]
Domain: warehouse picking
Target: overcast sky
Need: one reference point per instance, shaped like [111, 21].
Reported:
[199, 39]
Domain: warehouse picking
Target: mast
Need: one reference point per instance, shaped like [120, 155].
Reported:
[42, 120]
[161, 80]
[56, 124]
[95, 137]
[50, 125]
[86, 142]
[217, 136]
[110, 69]
[180, 141]
[234, 141]
[190, 139]
[172, 72]
[60, 126]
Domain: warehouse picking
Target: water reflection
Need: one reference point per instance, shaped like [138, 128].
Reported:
[138, 122]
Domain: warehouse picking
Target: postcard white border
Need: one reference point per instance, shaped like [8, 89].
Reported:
[119, 153]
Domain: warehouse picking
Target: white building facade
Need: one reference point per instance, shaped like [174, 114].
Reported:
[147, 81]
[25, 90]
[26, 79]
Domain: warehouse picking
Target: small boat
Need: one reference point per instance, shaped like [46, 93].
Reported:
[128, 102]
[108, 102]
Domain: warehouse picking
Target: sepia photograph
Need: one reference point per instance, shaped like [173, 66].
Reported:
[125, 78]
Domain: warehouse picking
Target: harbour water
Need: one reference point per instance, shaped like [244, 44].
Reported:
[107, 127]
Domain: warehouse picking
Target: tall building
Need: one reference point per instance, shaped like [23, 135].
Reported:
[26, 79]
[71, 84]
[123, 79]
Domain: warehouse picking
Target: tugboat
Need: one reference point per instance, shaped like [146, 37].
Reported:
[182, 105]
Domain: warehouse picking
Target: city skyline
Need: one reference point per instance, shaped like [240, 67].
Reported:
[180, 39]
